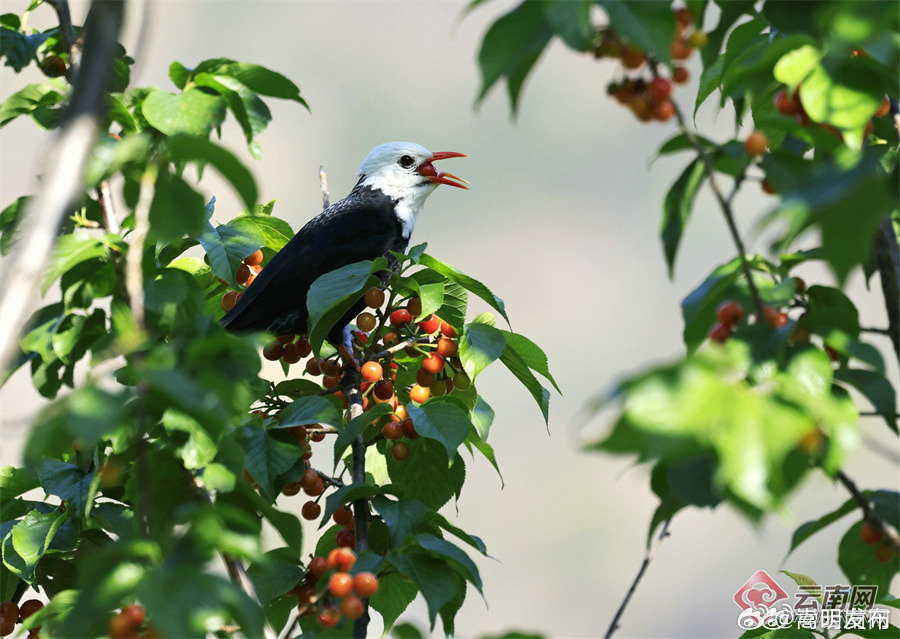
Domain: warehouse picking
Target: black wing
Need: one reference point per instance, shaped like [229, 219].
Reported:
[362, 226]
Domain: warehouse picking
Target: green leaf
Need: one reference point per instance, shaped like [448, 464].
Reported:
[188, 148]
[427, 474]
[28, 100]
[443, 420]
[68, 482]
[795, 66]
[472, 540]
[406, 631]
[571, 21]
[858, 562]
[71, 250]
[275, 575]
[351, 492]
[177, 209]
[185, 603]
[430, 575]
[196, 111]
[267, 457]
[470, 284]
[308, 410]
[276, 232]
[480, 345]
[677, 209]
[521, 370]
[395, 593]
[649, 25]
[263, 81]
[347, 434]
[249, 110]
[876, 388]
[17, 481]
[21, 48]
[227, 246]
[333, 293]
[32, 536]
[401, 517]
[511, 47]
[699, 308]
[810, 528]
[531, 354]
[456, 558]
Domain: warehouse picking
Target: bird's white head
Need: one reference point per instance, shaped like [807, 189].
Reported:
[404, 171]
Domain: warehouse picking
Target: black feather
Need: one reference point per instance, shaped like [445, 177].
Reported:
[362, 226]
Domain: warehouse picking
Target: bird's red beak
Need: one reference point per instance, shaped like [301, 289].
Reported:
[427, 169]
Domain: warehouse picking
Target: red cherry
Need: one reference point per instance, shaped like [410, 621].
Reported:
[883, 109]
[374, 297]
[400, 317]
[400, 451]
[424, 378]
[870, 535]
[134, 613]
[329, 616]
[365, 584]
[311, 510]
[303, 347]
[774, 317]
[305, 594]
[30, 607]
[343, 515]
[341, 559]
[384, 390]
[756, 143]
[316, 489]
[680, 75]
[372, 371]
[414, 306]
[409, 429]
[659, 89]
[433, 363]
[680, 50]
[430, 325]
[352, 607]
[419, 394]
[663, 111]
[318, 566]
[242, 274]
[229, 300]
[291, 489]
[885, 553]
[255, 259]
[719, 333]
[340, 584]
[310, 478]
[447, 347]
[312, 367]
[366, 321]
[730, 313]
[345, 539]
[273, 351]
[447, 330]
[10, 609]
[392, 431]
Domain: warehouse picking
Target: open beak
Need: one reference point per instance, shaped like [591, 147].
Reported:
[427, 169]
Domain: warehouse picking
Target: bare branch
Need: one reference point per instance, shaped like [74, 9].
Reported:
[134, 272]
[63, 179]
[107, 208]
[67, 30]
[724, 204]
[323, 180]
[614, 624]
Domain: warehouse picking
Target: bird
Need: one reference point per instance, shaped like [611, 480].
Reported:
[377, 217]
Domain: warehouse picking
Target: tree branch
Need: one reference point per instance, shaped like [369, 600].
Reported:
[724, 204]
[67, 31]
[63, 179]
[323, 181]
[888, 532]
[134, 271]
[648, 557]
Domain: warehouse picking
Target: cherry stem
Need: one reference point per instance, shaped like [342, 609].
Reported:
[724, 203]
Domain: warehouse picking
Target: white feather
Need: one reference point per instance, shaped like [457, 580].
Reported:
[381, 170]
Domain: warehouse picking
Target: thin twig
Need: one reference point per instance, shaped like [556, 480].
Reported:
[67, 31]
[412, 341]
[888, 532]
[328, 479]
[107, 208]
[725, 205]
[614, 625]
[323, 180]
[63, 179]
[134, 273]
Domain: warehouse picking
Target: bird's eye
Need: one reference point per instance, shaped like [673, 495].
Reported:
[407, 161]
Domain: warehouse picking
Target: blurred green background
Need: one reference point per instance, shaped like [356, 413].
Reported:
[562, 223]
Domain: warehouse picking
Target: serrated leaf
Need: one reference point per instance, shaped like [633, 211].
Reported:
[227, 246]
[71, 250]
[263, 81]
[520, 369]
[308, 410]
[430, 575]
[196, 111]
[394, 595]
[27, 100]
[441, 420]
[346, 434]
[480, 345]
[177, 209]
[17, 481]
[336, 291]
[531, 354]
[68, 482]
[677, 209]
[427, 474]
[400, 516]
[457, 559]
[267, 457]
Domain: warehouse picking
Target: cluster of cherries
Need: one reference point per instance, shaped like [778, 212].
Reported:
[246, 273]
[648, 97]
[730, 314]
[11, 613]
[884, 551]
[345, 592]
